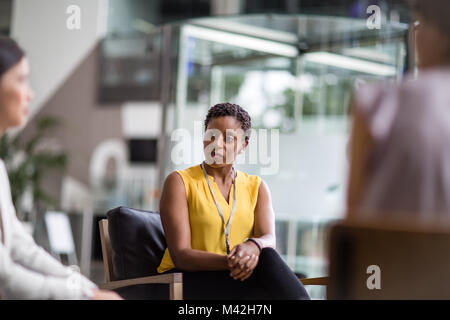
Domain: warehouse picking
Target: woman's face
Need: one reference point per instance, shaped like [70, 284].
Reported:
[224, 139]
[432, 44]
[15, 96]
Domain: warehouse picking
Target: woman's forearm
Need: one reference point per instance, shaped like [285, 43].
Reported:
[197, 260]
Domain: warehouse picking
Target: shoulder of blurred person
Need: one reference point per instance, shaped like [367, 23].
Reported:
[378, 104]
[409, 126]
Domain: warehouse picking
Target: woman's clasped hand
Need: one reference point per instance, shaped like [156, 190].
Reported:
[242, 260]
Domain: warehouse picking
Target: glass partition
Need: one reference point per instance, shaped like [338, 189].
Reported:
[129, 68]
[294, 74]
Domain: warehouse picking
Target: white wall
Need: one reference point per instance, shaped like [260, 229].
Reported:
[53, 50]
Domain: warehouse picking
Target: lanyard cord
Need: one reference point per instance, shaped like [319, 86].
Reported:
[226, 229]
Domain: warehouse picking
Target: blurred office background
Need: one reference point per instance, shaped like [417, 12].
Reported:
[110, 94]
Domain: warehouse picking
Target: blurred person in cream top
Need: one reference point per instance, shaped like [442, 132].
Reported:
[400, 151]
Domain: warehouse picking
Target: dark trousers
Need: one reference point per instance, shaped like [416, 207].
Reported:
[272, 279]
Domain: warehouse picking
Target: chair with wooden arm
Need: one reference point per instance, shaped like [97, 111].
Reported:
[318, 281]
[133, 244]
[174, 280]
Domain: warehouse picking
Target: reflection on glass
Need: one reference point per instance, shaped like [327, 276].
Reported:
[129, 68]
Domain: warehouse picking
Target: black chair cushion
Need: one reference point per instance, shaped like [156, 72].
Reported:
[137, 241]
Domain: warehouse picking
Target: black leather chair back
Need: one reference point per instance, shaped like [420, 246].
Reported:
[137, 241]
[138, 245]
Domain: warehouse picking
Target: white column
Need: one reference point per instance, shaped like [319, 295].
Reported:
[53, 49]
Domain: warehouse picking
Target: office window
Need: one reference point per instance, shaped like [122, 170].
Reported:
[142, 16]
[143, 150]
[5, 16]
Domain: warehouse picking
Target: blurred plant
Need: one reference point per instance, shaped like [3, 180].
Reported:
[27, 165]
[233, 83]
[288, 107]
[335, 99]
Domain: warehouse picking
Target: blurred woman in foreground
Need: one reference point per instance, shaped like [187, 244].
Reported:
[26, 270]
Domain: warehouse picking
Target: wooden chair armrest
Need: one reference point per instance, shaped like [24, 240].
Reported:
[321, 281]
[170, 278]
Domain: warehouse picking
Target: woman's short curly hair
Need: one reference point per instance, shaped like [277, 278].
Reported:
[233, 110]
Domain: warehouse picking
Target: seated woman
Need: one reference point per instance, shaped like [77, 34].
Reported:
[219, 222]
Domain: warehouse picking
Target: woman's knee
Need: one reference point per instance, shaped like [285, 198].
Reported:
[271, 259]
[269, 251]
[269, 254]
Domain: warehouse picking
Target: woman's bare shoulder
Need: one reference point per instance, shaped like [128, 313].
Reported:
[173, 180]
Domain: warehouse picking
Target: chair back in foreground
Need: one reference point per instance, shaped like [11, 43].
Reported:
[389, 262]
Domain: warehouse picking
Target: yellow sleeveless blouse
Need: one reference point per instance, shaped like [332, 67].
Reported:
[207, 232]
